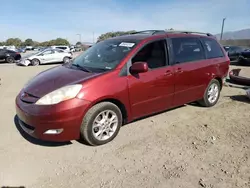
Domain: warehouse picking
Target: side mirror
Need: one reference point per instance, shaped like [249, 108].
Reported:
[138, 67]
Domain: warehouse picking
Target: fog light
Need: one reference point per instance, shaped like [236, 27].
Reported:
[53, 131]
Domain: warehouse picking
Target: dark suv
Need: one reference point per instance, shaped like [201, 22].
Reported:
[119, 80]
[9, 56]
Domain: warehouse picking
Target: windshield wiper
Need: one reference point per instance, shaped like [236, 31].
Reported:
[81, 67]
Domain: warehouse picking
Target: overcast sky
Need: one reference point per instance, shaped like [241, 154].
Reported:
[47, 19]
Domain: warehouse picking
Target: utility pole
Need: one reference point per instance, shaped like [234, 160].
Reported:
[93, 37]
[80, 37]
[222, 28]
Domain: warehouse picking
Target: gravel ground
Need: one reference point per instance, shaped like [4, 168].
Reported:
[185, 147]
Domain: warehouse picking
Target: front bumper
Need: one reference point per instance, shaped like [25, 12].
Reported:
[60, 122]
[24, 62]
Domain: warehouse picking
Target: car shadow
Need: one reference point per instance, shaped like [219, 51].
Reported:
[154, 114]
[35, 140]
[230, 83]
[4, 62]
[46, 64]
[240, 98]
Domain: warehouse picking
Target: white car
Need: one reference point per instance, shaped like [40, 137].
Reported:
[46, 56]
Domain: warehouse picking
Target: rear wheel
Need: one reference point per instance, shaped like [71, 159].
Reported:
[10, 60]
[212, 94]
[101, 123]
[35, 62]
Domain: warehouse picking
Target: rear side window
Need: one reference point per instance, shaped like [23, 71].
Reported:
[61, 47]
[212, 48]
[187, 49]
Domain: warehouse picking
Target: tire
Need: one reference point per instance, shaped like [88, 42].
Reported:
[207, 99]
[10, 60]
[89, 133]
[66, 60]
[35, 62]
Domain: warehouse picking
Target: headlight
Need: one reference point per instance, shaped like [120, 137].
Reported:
[59, 95]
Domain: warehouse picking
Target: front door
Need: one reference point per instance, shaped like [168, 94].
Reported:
[190, 67]
[47, 56]
[152, 91]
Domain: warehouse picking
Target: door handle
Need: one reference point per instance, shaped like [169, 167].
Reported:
[168, 73]
[179, 70]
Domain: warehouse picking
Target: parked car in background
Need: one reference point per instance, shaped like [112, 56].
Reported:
[65, 48]
[72, 49]
[48, 55]
[119, 80]
[234, 52]
[42, 48]
[29, 48]
[244, 58]
[9, 56]
[21, 50]
[78, 49]
[12, 48]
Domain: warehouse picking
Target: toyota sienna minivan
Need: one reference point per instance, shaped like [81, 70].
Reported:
[119, 80]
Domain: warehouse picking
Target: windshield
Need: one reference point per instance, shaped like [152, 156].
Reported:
[30, 54]
[105, 55]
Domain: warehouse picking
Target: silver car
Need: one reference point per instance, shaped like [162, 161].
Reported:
[46, 56]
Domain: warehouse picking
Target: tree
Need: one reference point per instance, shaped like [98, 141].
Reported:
[13, 41]
[45, 43]
[113, 34]
[28, 42]
[61, 41]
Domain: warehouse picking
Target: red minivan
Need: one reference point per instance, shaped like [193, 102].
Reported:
[119, 80]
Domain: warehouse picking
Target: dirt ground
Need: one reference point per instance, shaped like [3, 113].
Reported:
[189, 147]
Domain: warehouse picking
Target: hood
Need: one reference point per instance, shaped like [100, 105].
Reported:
[55, 78]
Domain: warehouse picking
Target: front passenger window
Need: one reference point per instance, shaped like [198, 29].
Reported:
[48, 52]
[153, 54]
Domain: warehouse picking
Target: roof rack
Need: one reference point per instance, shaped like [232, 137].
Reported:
[188, 32]
[151, 32]
[154, 32]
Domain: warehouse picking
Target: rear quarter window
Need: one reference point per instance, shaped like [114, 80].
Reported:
[212, 48]
[63, 48]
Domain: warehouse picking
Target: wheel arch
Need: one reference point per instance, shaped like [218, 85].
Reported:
[31, 59]
[119, 104]
[219, 79]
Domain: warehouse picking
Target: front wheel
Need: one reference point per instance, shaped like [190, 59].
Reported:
[212, 94]
[35, 62]
[101, 123]
[66, 60]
